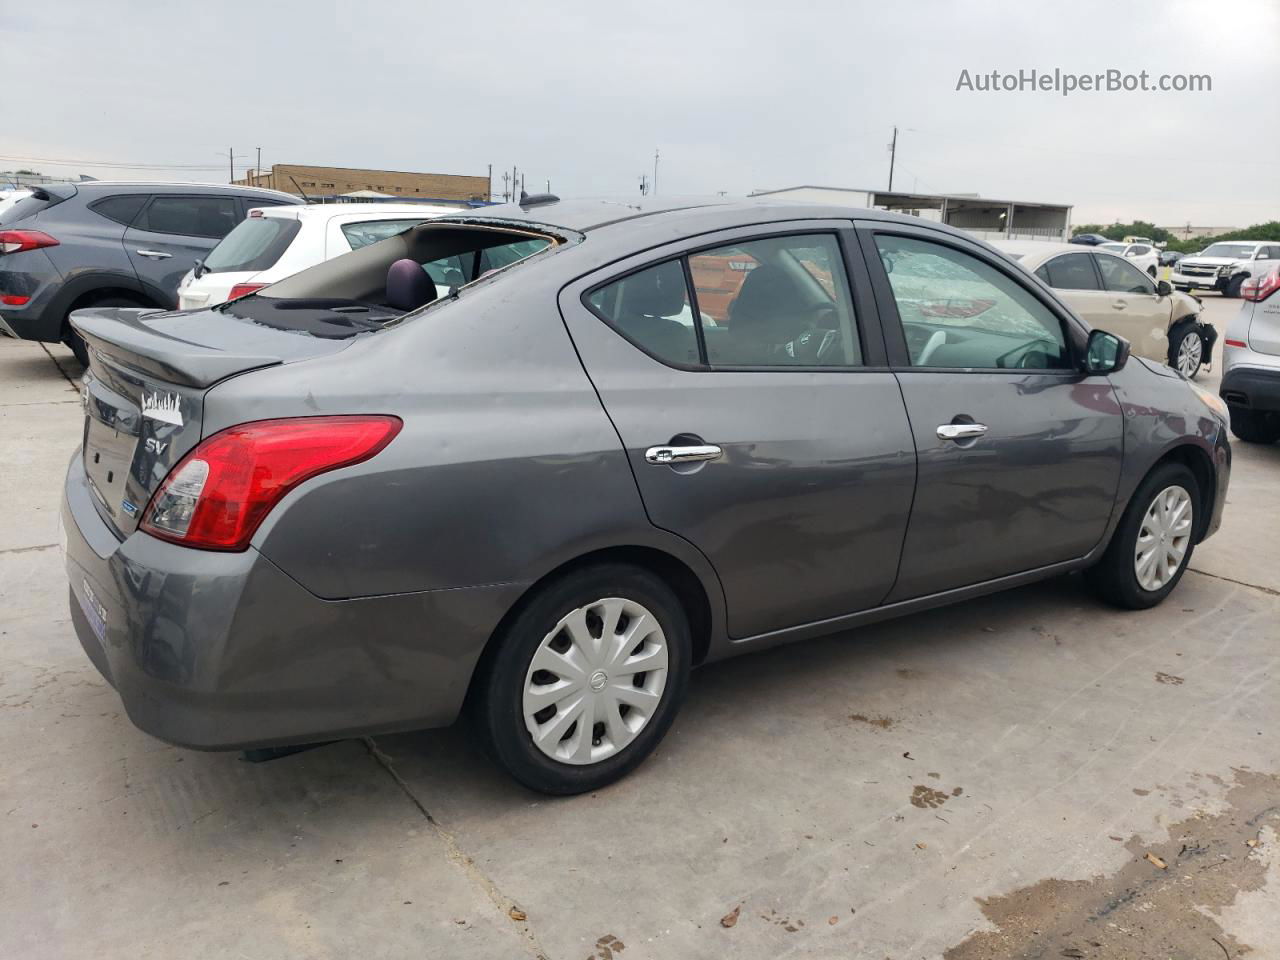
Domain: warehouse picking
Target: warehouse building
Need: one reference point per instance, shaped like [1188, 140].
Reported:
[324, 182]
[987, 218]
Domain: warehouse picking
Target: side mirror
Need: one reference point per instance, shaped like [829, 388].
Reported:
[1105, 353]
[1163, 289]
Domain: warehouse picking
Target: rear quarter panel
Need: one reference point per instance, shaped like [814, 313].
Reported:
[506, 466]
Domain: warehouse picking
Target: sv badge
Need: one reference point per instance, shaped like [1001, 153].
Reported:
[156, 446]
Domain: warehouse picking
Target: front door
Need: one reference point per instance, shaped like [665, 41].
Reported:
[172, 233]
[1019, 453]
[1140, 314]
[758, 415]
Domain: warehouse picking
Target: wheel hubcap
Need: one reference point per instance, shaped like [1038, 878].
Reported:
[1189, 352]
[595, 681]
[1163, 538]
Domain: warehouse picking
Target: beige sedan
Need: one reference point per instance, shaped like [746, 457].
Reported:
[1109, 293]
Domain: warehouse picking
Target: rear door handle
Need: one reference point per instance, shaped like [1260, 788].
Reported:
[961, 431]
[1119, 304]
[665, 456]
[154, 254]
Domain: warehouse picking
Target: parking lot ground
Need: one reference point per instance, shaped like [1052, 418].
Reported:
[986, 780]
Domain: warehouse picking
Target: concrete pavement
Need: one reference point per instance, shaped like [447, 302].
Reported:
[981, 781]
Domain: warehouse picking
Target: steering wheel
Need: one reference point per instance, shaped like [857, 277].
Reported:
[937, 339]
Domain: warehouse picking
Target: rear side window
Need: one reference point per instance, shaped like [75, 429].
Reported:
[255, 244]
[1072, 272]
[191, 216]
[121, 209]
[651, 308]
[371, 231]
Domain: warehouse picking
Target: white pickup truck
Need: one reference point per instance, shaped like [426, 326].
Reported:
[1225, 266]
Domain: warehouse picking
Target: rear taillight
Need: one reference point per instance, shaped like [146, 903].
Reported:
[244, 289]
[16, 241]
[219, 493]
[14, 300]
[1259, 288]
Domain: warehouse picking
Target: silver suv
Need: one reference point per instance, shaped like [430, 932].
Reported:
[1251, 361]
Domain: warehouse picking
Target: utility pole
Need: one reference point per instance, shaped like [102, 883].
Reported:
[644, 185]
[258, 169]
[506, 179]
[231, 162]
[655, 171]
[515, 182]
[548, 185]
[893, 150]
[490, 194]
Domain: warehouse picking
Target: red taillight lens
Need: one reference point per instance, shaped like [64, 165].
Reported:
[1259, 288]
[244, 289]
[1235, 343]
[15, 241]
[14, 299]
[219, 493]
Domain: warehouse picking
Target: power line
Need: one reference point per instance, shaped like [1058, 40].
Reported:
[116, 164]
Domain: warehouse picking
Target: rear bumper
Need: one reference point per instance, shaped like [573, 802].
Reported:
[225, 651]
[1254, 388]
[31, 274]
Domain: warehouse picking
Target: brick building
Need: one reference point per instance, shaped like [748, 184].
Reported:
[334, 181]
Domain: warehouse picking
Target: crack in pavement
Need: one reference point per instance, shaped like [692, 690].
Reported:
[66, 376]
[1239, 583]
[477, 876]
[38, 547]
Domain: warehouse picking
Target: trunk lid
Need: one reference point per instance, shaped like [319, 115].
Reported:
[144, 392]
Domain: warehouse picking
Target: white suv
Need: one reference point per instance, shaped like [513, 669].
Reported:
[275, 242]
[1144, 256]
[1226, 266]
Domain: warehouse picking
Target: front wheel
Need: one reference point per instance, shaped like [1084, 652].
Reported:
[1233, 286]
[1153, 544]
[585, 680]
[1255, 426]
[1186, 348]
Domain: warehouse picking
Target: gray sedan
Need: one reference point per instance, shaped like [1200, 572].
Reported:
[627, 440]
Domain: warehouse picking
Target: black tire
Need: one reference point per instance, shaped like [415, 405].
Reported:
[75, 341]
[1255, 426]
[1179, 332]
[1233, 286]
[496, 706]
[1114, 577]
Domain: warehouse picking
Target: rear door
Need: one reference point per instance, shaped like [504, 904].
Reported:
[174, 231]
[1019, 453]
[763, 427]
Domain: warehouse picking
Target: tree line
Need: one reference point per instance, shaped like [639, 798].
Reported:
[1140, 228]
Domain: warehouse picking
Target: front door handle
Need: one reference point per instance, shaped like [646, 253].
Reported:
[693, 453]
[154, 254]
[961, 431]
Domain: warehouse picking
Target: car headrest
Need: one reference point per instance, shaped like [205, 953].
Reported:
[655, 293]
[408, 286]
[768, 298]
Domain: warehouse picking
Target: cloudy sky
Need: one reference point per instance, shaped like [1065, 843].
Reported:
[754, 94]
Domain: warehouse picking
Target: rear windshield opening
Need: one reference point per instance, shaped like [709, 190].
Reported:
[372, 286]
[253, 245]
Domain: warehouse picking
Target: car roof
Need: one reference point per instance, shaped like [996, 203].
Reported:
[162, 186]
[326, 210]
[686, 214]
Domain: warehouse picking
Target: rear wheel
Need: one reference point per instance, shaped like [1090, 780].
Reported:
[1186, 348]
[1153, 543]
[1233, 287]
[1255, 426]
[75, 341]
[586, 680]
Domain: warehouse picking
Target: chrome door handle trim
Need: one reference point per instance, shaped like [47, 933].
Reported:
[158, 254]
[961, 431]
[667, 455]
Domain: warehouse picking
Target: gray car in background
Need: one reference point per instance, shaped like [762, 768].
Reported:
[73, 245]
[659, 434]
